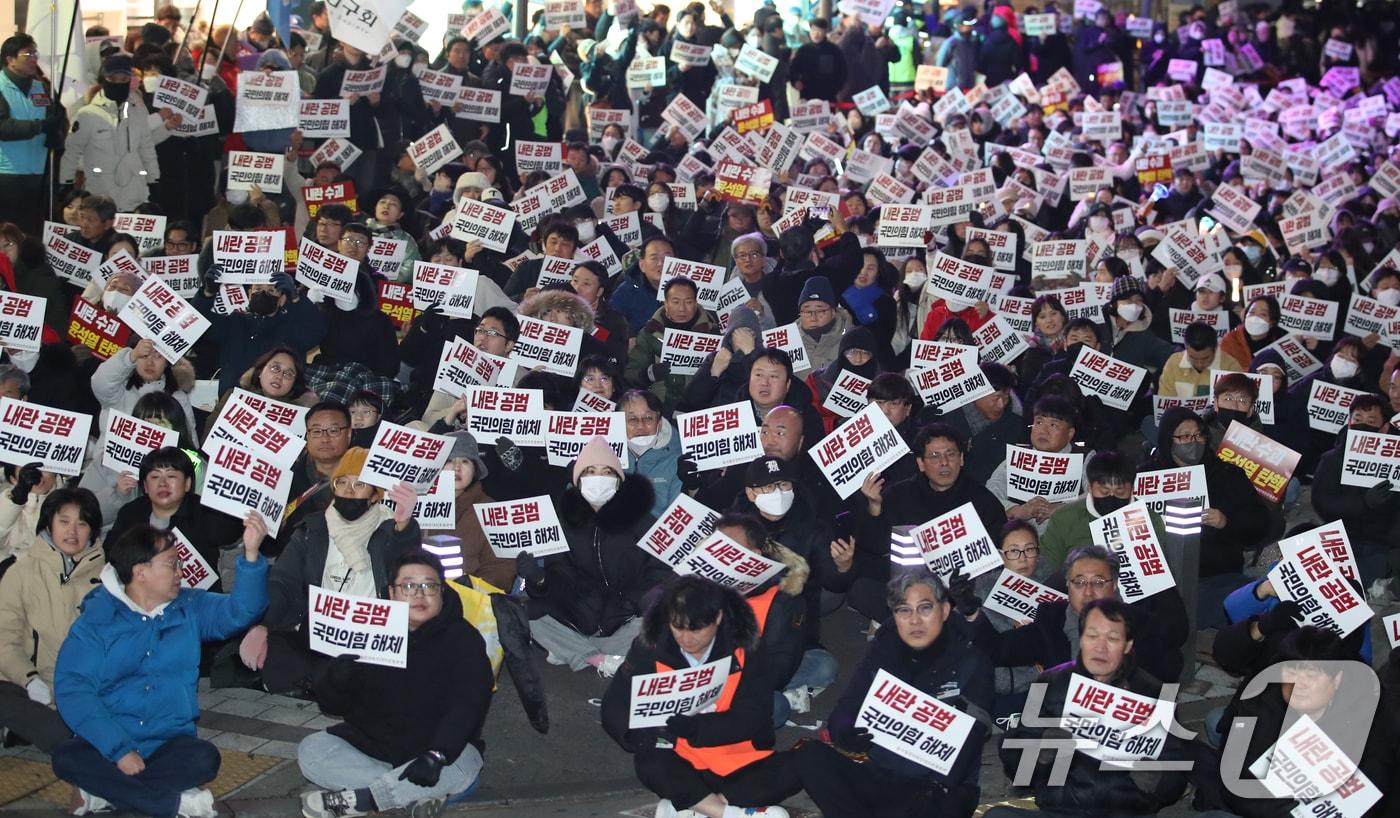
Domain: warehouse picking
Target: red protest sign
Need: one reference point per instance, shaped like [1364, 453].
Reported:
[742, 183]
[753, 117]
[96, 329]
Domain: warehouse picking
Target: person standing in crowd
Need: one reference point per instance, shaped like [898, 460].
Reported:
[32, 124]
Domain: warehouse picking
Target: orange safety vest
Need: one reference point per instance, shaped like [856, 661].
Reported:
[726, 758]
[761, 605]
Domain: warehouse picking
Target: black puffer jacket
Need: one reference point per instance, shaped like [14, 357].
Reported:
[599, 584]
[1088, 788]
[363, 335]
[438, 701]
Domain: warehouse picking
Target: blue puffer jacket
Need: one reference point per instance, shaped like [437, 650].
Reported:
[658, 465]
[1242, 604]
[635, 298]
[126, 681]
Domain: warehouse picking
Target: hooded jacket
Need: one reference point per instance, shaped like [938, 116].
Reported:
[1089, 788]
[437, 701]
[599, 584]
[783, 628]
[125, 678]
[363, 335]
[647, 351]
[38, 603]
[658, 465]
[821, 381]
[824, 349]
[113, 145]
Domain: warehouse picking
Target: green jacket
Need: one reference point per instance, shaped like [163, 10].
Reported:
[1068, 529]
[647, 351]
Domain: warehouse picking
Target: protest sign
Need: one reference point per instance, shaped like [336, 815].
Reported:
[32, 433]
[684, 350]
[95, 328]
[1297, 359]
[902, 226]
[326, 271]
[1018, 598]
[440, 87]
[957, 542]
[452, 289]
[248, 169]
[725, 562]
[249, 257]
[1114, 724]
[485, 27]
[998, 342]
[951, 382]
[1328, 406]
[127, 440]
[528, 525]
[864, 444]
[568, 432]
[1324, 594]
[1218, 320]
[847, 395]
[679, 530]
[1114, 382]
[337, 151]
[267, 100]
[184, 98]
[287, 415]
[243, 424]
[479, 104]
[1131, 536]
[719, 436]
[1367, 316]
[1059, 258]
[436, 510]
[71, 261]
[949, 205]
[434, 149]
[21, 321]
[396, 301]
[357, 83]
[913, 724]
[545, 344]
[1308, 317]
[1267, 464]
[1184, 486]
[318, 196]
[1055, 476]
[374, 630]
[477, 221]
[1371, 459]
[545, 156]
[400, 454]
[463, 366]
[149, 230]
[960, 282]
[788, 339]
[169, 321]
[518, 414]
[656, 697]
[1332, 540]
[238, 481]
[195, 571]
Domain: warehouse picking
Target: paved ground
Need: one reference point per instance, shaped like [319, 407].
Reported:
[574, 771]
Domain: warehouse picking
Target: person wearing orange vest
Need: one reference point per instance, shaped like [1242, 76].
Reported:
[718, 763]
[929, 647]
[781, 609]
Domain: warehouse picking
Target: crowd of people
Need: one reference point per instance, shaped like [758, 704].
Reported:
[1210, 202]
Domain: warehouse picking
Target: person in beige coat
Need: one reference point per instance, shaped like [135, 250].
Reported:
[468, 470]
[22, 494]
[39, 598]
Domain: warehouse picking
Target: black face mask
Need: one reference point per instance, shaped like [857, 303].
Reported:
[1228, 415]
[351, 508]
[364, 438]
[1365, 427]
[978, 258]
[117, 91]
[1107, 505]
[263, 303]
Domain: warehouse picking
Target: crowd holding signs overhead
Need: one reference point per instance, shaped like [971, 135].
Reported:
[654, 337]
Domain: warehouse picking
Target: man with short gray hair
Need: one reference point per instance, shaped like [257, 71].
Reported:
[751, 264]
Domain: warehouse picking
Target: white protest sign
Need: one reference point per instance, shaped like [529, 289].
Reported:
[959, 282]
[1218, 320]
[1333, 541]
[479, 104]
[529, 79]
[485, 27]
[657, 697]
[545, 156]
[528, 525]
[951, 382]
[267, 101]
[1142, 565]
[864, 444]
[288, 415]
[127, 440]
[517, 414]
[53, 438]
[326, 270]
[452, 289]
[847, 395]
[1323, 592]
[679, 530]
[755, 63]
[239, 481]
[719, 436]
[400, 454]
[436, 510]
[1113, 724]
[1328, 406]
[902, 225]
[1183, 485]
[71, 261]
[374, 630]
[477, 221]
[568, 432]
[185, 98]
[249, 257]
[1018, 598]
[1371, 459]
[22, 321]
[463, 366]
[913, 724]
[169, 321]
[553, 347]
[1058, 258]
[1367, 316]
[684, 350]
[1297, 359]
[998, 342]
[243, 424]
[363, 83]
[195, 571]
[338, 151]
[957, 542]
[1309, 317]
[725, 562]
[1055, 476]
[788, 339]
[435, 149]
[1114, 382]
[148, 229]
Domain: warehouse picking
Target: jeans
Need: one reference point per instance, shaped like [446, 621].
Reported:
[332, 763]
[179, 764]
[1210, 598]
[37, 724]
[572, 648]
[817, 669]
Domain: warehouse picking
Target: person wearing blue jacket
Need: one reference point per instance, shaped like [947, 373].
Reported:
[635, 296]
[125, 677]
[654, 446]
[31, 122]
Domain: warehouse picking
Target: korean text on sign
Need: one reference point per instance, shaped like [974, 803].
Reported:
[375, 630]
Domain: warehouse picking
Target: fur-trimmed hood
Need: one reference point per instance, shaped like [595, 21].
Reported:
[631, 503]
[794, 579]
[580, 315]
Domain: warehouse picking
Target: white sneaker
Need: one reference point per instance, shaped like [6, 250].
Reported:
[799, 699]
[329, 804]
[197, 802]
[732, 811]
[609, 664]
[1380, 592]
[665, 809]
[92, 803]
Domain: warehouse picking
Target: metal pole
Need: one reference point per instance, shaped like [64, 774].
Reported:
[522, 18]
[223, 48]
[55, 95]
[195, 16]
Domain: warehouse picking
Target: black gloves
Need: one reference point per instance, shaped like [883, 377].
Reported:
[858, 740]
[511, 456]
[688, 474]
[962, 594]
[25, 480]
[528, 568]
[1282, 618]
[1378, 496]
[686, 727]
[54, 129]
[658, 371]
[425, 769]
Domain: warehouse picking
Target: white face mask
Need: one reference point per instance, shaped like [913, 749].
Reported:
[597, 489]
[1129, 311]
[915, 279]
[1327, 275]
[236, 197]
[1098, 224]
[775, 503]
[1254, 325]
[641, 443]
[1344, 368]
[586, 232]
[114, 301]
[207, 71]
[610, 143]
[658, 202]
[1390, 297]
[403, 60]
[150, 83]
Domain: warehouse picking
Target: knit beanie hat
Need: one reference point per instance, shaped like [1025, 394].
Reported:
[596, 453]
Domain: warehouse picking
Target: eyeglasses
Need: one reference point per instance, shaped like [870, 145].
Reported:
[325, 431]
[1191, 438]
[1097, 583]
[366, 412]
[489, 333]
[354, 242]
[418, 588]
[814, 312]
[174, 243]
[1021, 553]
[907, 612]
[639, 419]
[747, 255]
[29, 53]
[279, 370]
[940, 457]
[173, 565]
[349, 484]
[1241, 401]
[781, 485]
